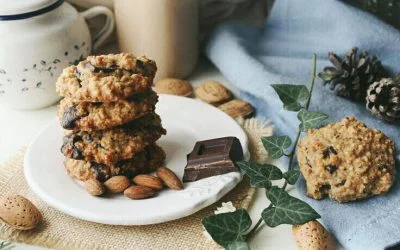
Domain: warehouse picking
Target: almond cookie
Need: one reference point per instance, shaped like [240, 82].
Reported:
[213, 92]
[237, 108]
[173, 86]
[106, 78]
[143, 162]
[347, 161]
[89, 116]
[115, 144]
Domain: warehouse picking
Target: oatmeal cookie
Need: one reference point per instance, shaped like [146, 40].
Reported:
[347, 161]
[106, 78]
[115, 144]
[89, 116]
[146, 161]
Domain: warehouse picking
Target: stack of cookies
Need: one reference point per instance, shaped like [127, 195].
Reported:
[109, 117]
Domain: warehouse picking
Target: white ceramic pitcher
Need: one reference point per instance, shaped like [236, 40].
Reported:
[38, 39]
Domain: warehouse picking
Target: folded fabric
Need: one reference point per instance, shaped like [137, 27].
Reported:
[253, 59]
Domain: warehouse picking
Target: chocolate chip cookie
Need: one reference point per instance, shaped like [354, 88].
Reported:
[89, 116]
[115, 144]
[347, 161]
[146, 161]
[106, 78]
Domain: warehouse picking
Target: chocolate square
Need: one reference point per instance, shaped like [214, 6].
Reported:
[213, 157]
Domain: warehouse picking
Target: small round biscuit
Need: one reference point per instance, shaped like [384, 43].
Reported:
[346, 161]
[237, 108]
[173, 86]
[213, 92]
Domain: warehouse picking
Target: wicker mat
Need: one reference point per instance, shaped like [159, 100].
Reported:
[60, 231]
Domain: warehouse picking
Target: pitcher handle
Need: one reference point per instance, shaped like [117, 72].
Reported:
[108, 27]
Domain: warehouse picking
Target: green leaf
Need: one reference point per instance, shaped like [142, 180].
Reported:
[260, 175]
[310, 119]
[287, 209]
[227, 228]
[291, 176]
[6, 245]
[275, 145]
[238, 245]
[293, 96]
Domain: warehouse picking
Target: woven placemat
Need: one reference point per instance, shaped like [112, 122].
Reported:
[60, 231]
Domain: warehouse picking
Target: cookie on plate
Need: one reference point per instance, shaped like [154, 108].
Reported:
[106, 78]
[146, 161]
[346, 161]
[213, 92]
[115, 144]
[89, 116]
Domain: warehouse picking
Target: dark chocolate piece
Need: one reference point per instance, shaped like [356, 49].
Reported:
[213, 157]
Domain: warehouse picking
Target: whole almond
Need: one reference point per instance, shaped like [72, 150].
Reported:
[19, 213]
[173, 86]
[169, 178]
[148, 181]
[312, 236]
[213, 92]
[94, 187]
[117, 184]
[139, 192]
[237, 108]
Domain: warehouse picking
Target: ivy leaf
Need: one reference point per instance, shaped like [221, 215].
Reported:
[238, 245]
[293, 96]
[275, 145]
[260, 175]
[227, 228]
[6, 245]
[287, 209]
[291, 176]
[310, 119]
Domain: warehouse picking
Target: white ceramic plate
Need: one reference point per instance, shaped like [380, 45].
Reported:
[186, 121]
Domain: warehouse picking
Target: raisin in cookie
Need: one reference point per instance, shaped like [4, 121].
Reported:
[115, 144]
[106, 78]
[89, 116]
[347, 161]
[146, 161]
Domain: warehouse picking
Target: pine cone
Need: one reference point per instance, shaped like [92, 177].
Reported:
[383, 99]
[351, 76]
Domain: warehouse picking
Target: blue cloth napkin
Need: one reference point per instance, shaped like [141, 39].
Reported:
[253, 59]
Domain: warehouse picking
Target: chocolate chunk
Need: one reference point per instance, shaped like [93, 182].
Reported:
[324, 189]
[95, 69]
[69, 148]
[328, 151]
[382, 167]
[69, 117]
[340, 183]
[100, 171]
[213, 157]
[87, 138]
[331, 168]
